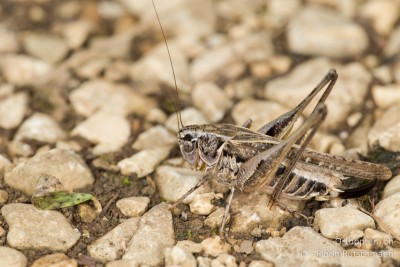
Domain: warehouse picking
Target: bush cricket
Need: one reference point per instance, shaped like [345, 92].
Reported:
[274, 159]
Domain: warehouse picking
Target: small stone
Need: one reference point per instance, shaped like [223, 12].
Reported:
[108, 131]
[386, 96]
[352, 238]
[49, 48]
[2, 231]
[211, 101]
[22, 70]
[9, 41]
[377, 238]
[224, 260]
[123, 263]
[301, 246]
[18, 104]
[260, 264]
[156, 115]
[76, 33]
[201, 203]
[40, 127]
[43, 229]
[387, 210]
[214, 246]
[144, 162]
[348, 95]
[339, 222]
[69, 167]
[386, 130]
[155, 233]
[172, 183]
[133, 206]
[190, 246]
[5, 164]
[112, 245]
[214, 220]
[178, 256]
[246, 247]
[3, 197]
[55, 260]
[393, 45]
[260, 112]
[343, 38]
[392, 187]
[87, 213]
[214, 63]
[190, 116]
[251, 210]
[360, 257]
[382, 14]
[203, 261]
[99, 95]
[150, 70]
[155, 137]
[18, 148]
[12, 258]
[93, 68]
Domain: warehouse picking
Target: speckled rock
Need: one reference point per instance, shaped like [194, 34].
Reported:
[40, 127]
[381, 14]
[224, 259]
[260, 112]
[386, 96]
[99, 95]
[202, 203]
[172, 183]
[215, 62]
[108, 131]
[133, 206]
[112, 245]
[155, 234]
[339, 222]
[22, 70]
[301, 246]
[155, 68]
[388, 211]
[18, 104]
[214, 220]
[43, 229]
[211, 100]
[386, 130]
[214, 246]
[49, 48]
[190, 246]
[342, 37]
[251, 211]
[55, 260]
[76, 32]
[8, 39]
[392, 187]
[155, 137]
[5, 164]
[143, 162]
[10, 257]
[65, 165]
[189, 116]
[178, 256]
[348, 94]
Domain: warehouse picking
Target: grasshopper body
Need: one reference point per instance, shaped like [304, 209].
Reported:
[274, 159]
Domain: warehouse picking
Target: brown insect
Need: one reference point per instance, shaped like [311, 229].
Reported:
[273, 159]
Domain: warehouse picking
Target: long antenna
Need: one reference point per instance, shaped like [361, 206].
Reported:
[176, 102]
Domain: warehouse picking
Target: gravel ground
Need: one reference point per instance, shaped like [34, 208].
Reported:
[84, 97]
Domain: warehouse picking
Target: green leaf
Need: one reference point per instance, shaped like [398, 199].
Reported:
[56, 200]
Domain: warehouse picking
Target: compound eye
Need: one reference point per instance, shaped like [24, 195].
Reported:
[188, 146]
[187, 137]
